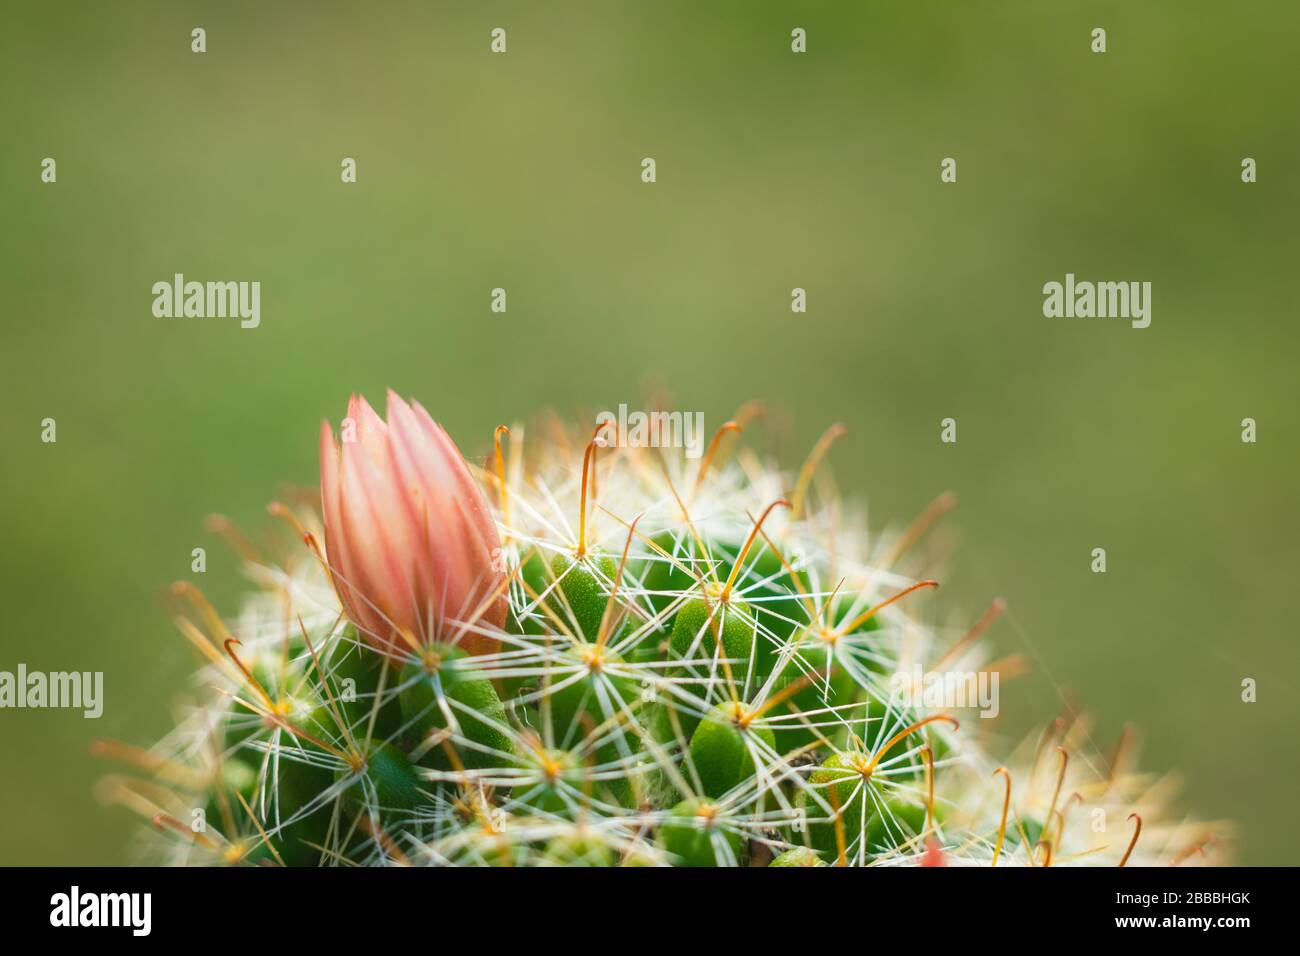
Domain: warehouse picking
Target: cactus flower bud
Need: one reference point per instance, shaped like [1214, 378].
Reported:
[409, 539]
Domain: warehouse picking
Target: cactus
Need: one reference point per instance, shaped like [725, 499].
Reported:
[591, 654]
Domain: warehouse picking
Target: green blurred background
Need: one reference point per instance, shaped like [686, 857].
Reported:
[775, 170]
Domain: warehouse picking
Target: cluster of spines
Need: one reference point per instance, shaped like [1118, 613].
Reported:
[698, 693]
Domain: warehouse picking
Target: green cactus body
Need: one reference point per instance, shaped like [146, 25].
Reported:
[362, 682]
[584, 585]
[693, 835]
[294, 829]
[579, 849]
[561, 779]
[591, 699]
[777, 598]
[900, 819]
[669, 570]
[525, 616]
[467, 696]
[388, 777]
[798, 856]
[721, 748]
[873, 815]
[588, 718]
[809, 666]
[696, 627]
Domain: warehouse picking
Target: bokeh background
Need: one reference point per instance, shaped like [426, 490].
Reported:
[775, 170]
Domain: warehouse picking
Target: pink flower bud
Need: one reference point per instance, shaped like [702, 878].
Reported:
[411, 544]
[933, 855]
